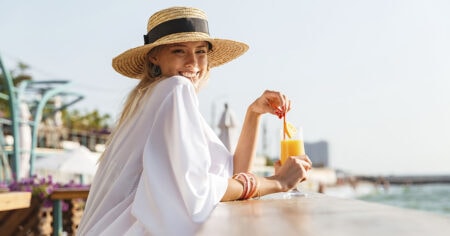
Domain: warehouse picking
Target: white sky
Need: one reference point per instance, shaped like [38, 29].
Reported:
[371, 77]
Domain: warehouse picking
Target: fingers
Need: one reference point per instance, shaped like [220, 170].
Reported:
[300, 169]
[306, 165]
[306, 162]
[275, 100]
[293, 171]
[278, 102]
[304, 175]
[303, 161]
[306, 158]
[277, 166]
[277, 163]
[288, 106]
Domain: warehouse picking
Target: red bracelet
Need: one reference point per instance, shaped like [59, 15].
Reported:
[255, 185]
[250, 183]
[240, 177]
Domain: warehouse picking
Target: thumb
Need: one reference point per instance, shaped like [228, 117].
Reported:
[277, 165]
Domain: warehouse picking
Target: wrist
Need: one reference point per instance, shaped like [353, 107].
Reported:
[252, 112]
[276, 185]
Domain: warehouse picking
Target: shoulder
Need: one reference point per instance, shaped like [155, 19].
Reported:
[175, 87]
[175, 81]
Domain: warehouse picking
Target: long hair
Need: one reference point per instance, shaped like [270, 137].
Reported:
[150, 77]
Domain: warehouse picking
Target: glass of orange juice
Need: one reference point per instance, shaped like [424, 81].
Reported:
[293, 146]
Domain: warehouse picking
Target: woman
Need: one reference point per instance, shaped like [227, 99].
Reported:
[164, 169]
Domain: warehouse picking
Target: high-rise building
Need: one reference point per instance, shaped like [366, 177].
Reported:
[318, 153]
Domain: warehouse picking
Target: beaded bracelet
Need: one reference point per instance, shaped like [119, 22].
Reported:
[250, 183]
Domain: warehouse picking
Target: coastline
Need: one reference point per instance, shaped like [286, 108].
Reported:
[407, 179]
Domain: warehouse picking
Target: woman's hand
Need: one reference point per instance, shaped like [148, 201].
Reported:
[293, 171]
[272, 102]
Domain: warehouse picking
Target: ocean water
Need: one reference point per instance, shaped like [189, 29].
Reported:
[426, 197]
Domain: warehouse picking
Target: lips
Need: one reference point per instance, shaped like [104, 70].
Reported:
[190, 75]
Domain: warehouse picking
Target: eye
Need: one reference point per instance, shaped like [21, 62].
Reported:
[202, 51]
[177, 51]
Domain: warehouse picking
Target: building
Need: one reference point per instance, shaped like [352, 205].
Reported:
[318, 153]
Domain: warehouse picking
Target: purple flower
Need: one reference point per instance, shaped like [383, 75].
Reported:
[47, 203]
[49, 189]
[42, 188]
[65, 206]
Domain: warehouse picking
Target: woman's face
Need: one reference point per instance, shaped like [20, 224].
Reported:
[189, 59]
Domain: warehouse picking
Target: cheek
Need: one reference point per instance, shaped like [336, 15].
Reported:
[204, 72]
[167, 66]
[203, 62]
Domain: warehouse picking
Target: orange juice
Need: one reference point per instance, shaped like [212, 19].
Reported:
[291, 147]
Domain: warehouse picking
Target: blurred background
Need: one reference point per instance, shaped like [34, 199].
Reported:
[370, 78]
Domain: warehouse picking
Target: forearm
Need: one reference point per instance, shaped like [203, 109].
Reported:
[246, 147]
[288, 176]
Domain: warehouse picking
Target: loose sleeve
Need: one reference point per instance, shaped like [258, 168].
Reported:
[176, 178]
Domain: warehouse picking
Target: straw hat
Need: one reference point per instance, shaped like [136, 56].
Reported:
[176, 25]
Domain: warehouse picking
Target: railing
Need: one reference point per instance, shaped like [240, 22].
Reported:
[14, 200]
[58, 196]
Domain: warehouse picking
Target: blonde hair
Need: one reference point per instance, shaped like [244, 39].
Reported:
[149, 79]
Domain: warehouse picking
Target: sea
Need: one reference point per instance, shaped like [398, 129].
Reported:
[425, 197]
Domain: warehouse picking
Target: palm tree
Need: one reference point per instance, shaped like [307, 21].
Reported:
[90, 121]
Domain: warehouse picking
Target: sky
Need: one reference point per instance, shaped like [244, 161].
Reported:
[370, 77]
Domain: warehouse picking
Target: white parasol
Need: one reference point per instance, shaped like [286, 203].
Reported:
[79, 161]
[228, 125]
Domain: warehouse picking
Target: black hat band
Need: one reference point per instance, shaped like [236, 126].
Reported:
[174, 26]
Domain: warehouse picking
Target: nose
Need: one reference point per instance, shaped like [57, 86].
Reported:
[191, 60]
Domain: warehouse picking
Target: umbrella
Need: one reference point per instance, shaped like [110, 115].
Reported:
[228, 129]
[75, 161]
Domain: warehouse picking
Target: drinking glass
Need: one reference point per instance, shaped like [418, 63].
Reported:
[292, 146]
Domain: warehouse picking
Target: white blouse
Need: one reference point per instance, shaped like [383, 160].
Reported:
[164, 171]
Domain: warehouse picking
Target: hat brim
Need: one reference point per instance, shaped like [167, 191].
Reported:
[131, 62]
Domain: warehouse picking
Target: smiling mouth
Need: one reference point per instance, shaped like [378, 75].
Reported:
[190, 75]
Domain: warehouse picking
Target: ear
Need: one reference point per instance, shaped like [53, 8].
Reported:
[153, 60]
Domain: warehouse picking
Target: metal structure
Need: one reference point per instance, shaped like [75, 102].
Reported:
[45, 91]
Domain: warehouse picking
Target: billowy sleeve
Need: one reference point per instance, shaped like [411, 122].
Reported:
[176, 179]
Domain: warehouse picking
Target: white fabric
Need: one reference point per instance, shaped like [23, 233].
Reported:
[163, 173]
